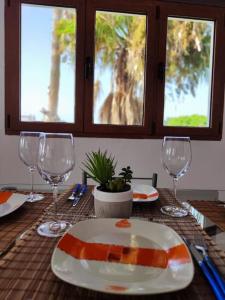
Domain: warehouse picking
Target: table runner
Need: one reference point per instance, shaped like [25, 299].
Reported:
[14, 224]
[214, 210]
[26, 271]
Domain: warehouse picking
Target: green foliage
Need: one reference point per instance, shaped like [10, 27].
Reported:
[188, 54]
[188, 121]
[126, 174]
[120, 46]
[116, 185]
[116, 33]
[101, 167]
[188, 46]
[66, 31]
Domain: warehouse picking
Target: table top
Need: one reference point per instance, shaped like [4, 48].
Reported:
[25, 256]
[27, 187]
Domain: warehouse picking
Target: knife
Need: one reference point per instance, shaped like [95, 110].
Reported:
[81, 193]
[202, 264]
[75, 191]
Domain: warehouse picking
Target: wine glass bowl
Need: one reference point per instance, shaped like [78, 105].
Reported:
[176, 159]
[28, 153]
[55, 163]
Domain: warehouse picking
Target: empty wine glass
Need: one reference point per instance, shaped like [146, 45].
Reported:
[55, 163]
[28, 153]
[176, 160]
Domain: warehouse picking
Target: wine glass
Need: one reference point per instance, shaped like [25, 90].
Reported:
[28, 153]
[176, 160]
[55, 163]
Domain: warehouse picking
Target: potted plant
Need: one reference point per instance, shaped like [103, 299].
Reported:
[113, 196]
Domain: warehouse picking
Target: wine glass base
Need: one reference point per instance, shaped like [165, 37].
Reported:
[53, 229]
[34, 197]
[174, 211]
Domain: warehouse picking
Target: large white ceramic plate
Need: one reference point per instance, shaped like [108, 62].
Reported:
[116, 256]
[144, 193]
[14, 201]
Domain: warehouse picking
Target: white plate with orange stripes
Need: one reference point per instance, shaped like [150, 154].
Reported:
[144, 193]
[119, 256]
[10, 202]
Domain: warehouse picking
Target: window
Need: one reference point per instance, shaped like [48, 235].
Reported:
[49, 79]
[187, 92]
[119, 87]
[44, 65]
[119, 70]
[114, 68]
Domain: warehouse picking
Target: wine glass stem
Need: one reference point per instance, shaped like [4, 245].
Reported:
[175, 187]
[55, 196]
[32, 180]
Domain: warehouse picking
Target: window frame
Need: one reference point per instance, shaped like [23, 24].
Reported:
[13, 124]
[156, 13]
[124, 7]
[214, 131]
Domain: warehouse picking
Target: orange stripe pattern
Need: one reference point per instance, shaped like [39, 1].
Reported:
[4, 196]
[148, 257]
[124, 223]
[144, 196]
[116, 288]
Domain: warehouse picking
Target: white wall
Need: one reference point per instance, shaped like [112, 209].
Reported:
[208, 164]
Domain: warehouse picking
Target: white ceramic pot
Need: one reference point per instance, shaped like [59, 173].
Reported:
[113, 205]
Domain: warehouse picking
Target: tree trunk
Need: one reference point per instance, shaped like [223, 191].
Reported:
[53, 95]
[121, 107]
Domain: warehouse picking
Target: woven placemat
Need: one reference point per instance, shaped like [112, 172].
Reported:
[214, 210]
[26, 270]
[152, 209]
[14, 224]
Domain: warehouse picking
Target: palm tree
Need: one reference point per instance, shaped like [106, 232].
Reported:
[53, 93]
[120, 43]
[63, 45]
[188, 54]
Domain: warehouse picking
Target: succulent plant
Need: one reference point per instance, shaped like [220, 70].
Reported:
[101, 167]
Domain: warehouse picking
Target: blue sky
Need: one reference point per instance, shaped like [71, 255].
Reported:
[36, 65]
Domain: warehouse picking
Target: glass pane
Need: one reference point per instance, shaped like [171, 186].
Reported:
[119, 70]
[188, 72]
[48, 37]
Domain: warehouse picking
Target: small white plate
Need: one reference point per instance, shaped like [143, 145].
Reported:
[144, 193]
[13, 202]
[130, 257]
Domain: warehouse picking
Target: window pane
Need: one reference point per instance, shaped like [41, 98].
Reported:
[188, 72]
[119, 70]
[47, 63]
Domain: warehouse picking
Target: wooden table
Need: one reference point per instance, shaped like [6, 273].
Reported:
[25, 271]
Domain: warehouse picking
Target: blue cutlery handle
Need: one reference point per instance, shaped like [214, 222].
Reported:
[76, 189]
[83, 189]
[217, 291]
[216, 273]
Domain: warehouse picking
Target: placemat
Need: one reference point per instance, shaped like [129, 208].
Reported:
[214, 210]
[15, 224]
[166, 197]
[26, 271]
